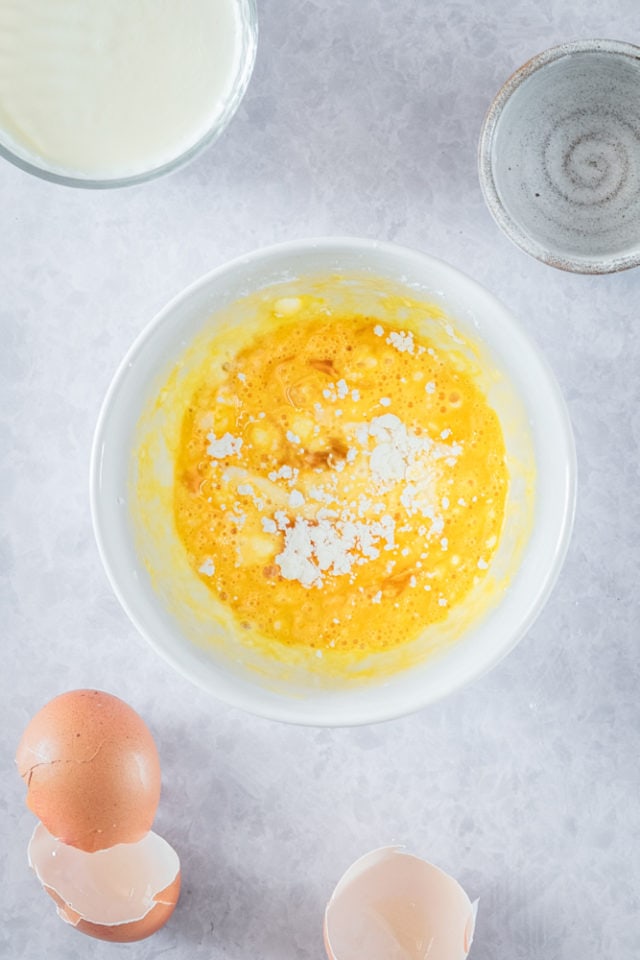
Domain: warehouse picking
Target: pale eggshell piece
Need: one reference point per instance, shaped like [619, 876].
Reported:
[92, 770]
[121, 894]
[390, 905]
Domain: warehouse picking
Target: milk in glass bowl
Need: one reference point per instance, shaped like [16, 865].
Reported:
[106, 93]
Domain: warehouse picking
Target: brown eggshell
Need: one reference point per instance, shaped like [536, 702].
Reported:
[125, 932]
[124, 893]
[138, 929]
[92, 770]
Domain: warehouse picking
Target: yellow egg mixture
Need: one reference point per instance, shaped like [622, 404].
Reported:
[340, 481]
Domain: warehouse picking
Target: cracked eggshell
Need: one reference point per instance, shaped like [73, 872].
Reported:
[390, 904]
[122, 894]
[92, 770]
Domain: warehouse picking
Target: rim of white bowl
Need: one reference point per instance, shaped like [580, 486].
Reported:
[289, 709]
[510, 226]
[240, 85]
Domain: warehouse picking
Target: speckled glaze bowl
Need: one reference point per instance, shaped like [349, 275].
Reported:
[559, 156]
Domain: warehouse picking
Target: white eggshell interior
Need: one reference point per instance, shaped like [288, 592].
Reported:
[391, 905]
[108, 887]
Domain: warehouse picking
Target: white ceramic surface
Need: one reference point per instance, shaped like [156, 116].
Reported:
[361, 118]
[560, 156]
[230, 673]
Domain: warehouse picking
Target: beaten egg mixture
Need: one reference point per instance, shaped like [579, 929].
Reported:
[340, 481]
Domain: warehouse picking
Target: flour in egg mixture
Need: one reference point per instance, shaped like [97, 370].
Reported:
[336, 462]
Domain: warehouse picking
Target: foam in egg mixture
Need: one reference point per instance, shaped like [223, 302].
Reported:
[340, 481]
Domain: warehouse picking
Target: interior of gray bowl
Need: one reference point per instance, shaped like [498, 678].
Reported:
[560, 157]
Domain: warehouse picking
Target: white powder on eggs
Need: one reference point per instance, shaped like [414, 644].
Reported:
[403, 342]
[225, 446]
[330, 542]
[329, 546]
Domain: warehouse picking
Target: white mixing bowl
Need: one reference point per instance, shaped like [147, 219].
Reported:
[539, 511]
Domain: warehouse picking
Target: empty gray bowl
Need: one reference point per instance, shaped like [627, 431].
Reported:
[559, 156]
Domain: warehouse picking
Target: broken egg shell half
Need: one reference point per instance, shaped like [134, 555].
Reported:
[92, 770]
[122, 894]
[390, 905]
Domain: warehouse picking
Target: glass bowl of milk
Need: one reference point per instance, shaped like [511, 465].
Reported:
[108, 93]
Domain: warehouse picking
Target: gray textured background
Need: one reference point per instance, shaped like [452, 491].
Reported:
[362, 118]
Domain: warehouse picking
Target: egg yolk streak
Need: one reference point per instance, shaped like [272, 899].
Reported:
[340, 482]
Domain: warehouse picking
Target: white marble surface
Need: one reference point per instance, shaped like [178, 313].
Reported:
[361, 118]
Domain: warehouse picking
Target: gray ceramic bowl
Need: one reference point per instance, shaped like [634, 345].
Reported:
[559, 156]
